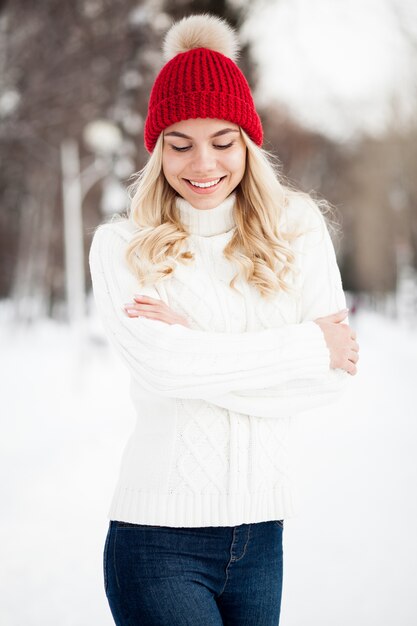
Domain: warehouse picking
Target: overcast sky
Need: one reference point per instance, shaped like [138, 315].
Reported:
[336, 64]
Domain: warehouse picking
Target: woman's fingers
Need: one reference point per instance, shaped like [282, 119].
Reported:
[155, 315]
[352, 370]
[144, 303]
[141, 309]
[130, 312]
[146, 312]
[146, 299]
[169, 317]
[143, 306]
[354, 356]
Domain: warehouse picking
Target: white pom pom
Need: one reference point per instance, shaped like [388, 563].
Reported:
[200, 31]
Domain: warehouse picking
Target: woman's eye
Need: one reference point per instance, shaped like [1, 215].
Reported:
[226, 146]
[222, 147]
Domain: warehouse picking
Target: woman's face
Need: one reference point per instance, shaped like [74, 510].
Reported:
[203, 151]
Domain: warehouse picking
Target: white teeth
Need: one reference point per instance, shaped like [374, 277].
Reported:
[213, 182]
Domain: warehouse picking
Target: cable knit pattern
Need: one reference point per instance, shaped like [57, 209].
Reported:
[202, 449]
[214, 401]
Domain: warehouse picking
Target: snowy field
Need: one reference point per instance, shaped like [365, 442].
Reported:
[350, 554]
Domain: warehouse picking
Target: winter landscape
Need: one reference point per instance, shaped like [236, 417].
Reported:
[336, 85]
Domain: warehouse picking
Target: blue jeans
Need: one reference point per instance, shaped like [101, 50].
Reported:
[201, 576]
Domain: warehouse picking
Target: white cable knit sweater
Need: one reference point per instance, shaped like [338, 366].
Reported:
[214, 401]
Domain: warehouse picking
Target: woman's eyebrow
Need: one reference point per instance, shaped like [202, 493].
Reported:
[175, 133]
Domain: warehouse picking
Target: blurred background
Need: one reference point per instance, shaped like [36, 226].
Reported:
[335, 84]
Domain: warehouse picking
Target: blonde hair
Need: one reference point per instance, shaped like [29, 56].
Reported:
[259, 249]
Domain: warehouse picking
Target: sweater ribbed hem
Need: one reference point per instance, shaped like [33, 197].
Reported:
[194, 510]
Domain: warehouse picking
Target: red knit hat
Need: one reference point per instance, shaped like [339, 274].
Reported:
[200, 79]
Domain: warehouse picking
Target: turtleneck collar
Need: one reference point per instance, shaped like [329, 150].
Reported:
[207, 222]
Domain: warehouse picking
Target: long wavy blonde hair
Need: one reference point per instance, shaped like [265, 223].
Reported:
[258, 248]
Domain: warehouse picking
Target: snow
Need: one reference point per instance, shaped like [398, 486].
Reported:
[349, 554]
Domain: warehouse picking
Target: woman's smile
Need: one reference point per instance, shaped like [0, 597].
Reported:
[205, 187]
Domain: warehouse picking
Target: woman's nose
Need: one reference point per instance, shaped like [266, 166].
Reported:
[203, 161]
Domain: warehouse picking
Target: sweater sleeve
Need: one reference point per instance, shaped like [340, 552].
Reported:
[175, 361]
[322, 293]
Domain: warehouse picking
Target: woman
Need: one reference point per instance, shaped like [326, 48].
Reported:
[222, 293]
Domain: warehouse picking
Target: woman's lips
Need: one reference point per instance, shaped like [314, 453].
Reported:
[204, 190]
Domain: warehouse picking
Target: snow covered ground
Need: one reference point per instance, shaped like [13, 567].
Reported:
[349, 555]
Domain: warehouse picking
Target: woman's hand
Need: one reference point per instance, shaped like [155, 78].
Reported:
[340, 339]
[143, 306]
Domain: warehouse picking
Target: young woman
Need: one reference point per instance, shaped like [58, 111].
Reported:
[222, 293]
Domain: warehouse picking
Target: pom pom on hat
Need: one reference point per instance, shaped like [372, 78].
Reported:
[200, 79]
[201, 31]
